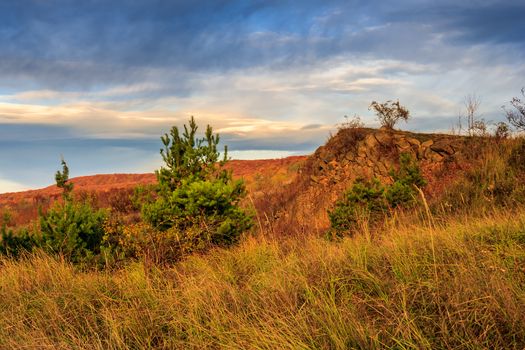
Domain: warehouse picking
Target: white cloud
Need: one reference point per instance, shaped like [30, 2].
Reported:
[258, 102]
[11, 186]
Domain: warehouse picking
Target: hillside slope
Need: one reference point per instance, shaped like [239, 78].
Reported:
[292, 195]
[420, 279]
[109, 190]
[363, 153]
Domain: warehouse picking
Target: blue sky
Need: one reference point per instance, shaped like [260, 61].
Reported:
[100, 81]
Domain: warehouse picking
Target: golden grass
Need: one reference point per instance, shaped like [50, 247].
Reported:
[463, 289]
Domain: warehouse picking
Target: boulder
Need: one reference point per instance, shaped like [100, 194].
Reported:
[421, 153]
[413, 141]
[371, 141]
[427, 143]
[443, 147]
[324, 166]
[326, 156]
[427, 153]
[383, 170]
[436, 157]
[360, 160]
[371, 153]
[361, 151]
[350, 156]
[403, 144]
[383, 138]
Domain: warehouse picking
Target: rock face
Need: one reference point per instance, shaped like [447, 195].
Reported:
[377, 151]
[365, 153]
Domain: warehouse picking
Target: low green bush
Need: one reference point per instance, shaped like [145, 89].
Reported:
[369, 201]
[402, 192]
[210, 206]
[73, 230]
[16, 243]
[363, 202]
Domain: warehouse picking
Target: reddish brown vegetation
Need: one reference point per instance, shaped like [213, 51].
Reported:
[115, 190]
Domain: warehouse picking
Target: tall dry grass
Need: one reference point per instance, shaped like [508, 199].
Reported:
[458, 284]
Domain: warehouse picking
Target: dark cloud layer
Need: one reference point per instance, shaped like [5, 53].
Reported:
[91, 43]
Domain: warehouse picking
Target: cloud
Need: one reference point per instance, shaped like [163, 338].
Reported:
[268, 75]
[312, 126]
[64, 45]
[11, 186]
[260, 102]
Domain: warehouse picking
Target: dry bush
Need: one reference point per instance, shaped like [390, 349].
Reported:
[492, 175]
[120, 200]
[502, 131]
[516, 116]
[389, 113]
[345, 141]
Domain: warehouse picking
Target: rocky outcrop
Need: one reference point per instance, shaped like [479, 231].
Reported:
[376, 152]
[360, 152]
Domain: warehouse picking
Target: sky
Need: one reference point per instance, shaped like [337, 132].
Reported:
[98, 82]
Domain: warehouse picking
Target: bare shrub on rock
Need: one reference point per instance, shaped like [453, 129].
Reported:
[390, 112]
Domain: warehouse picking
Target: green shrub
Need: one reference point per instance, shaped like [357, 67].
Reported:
[368, 201]
[14, 244]
[211, 207]
[73, 230]
[194, 192]
[402, 192]
[363, 202]
[399, 194]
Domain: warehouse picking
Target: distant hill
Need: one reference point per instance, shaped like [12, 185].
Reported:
[106, 189]
[293, 194]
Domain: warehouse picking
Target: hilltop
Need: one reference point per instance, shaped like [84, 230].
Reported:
[368, 153]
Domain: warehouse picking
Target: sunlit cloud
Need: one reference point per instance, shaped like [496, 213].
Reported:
[11, 186]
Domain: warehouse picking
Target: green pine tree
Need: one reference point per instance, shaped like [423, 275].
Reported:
[73, 230]
[62, 181]
[196, 195]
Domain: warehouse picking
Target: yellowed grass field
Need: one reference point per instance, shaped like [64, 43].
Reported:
[459, 284]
